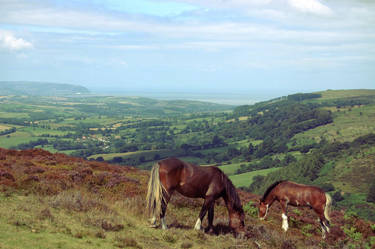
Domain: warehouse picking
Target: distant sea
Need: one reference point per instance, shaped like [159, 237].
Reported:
[229, 98]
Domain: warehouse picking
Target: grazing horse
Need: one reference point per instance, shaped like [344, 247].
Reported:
[290, 193]
[208, 182]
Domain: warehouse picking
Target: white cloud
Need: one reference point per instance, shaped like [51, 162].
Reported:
[9, 41]
[310, 6]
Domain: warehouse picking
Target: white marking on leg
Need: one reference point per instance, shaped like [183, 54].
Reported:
[153, 220]
[327, 227]
[163, 224]
[285, 222]
[198, 224]
[323, 232]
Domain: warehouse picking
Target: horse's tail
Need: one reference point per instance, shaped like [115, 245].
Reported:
[155, 194]
[327, 207]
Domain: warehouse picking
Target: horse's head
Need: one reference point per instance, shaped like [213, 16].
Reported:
[237, 221]
[263, 210]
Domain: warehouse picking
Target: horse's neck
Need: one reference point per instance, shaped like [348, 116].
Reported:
[270, 199]
[230, 201]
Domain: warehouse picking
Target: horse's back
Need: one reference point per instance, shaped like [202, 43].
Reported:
[303, 187]
[300, 194]
[189, 179]
[173, 164]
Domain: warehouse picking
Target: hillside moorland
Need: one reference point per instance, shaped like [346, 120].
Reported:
[56, 201]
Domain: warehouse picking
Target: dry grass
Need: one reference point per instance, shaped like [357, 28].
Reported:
[71, 203]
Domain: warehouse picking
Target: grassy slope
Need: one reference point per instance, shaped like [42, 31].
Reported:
[353, 173]
[72, 203]
[245, 179]
[348, 124]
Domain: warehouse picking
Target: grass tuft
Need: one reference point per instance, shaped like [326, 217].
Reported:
[123, 242]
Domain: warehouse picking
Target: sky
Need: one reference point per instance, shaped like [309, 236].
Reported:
[190, 46]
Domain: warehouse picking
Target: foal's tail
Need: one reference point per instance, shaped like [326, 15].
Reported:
[155, 192]
[327, 207]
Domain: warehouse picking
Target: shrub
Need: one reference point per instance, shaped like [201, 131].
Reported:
[337, 196]
[307, 230]
[250, 209]
[288, 244]
[111, 227]
[327, 187]
[167, 237]
[353, 234]
[100, 235]
[186, 245]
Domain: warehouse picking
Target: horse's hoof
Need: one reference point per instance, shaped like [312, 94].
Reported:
[153, 226]
[241, 236]
[209, 230]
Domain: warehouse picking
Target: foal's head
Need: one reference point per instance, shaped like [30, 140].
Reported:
[263, 210]
[267, 199]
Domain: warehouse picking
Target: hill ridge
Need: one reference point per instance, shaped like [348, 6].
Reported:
[39, 88]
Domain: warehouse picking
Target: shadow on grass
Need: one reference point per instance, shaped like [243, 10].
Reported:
[218, 229]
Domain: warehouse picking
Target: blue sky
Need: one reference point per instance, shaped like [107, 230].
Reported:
[232, 46]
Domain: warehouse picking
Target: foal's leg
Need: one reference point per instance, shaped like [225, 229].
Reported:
[284, 206]
[324, 229]
[324, 223]
[207, 203]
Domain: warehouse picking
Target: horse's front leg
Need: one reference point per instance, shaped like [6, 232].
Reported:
[211, 217]
[207, 203]
[284, 206]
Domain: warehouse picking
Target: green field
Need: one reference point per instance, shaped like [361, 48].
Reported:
[348, 124]
[4, 127]
[245, 179]
[110, 156]
[15, 139]
[230, 169]
[337, 94]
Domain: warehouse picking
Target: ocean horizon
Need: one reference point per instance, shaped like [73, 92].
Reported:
[219, 97]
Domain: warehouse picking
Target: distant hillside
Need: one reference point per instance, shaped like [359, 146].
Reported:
[56, 201]
[332, 135]
[40, 88]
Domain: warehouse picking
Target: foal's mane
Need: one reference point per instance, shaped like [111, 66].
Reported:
[269, 189]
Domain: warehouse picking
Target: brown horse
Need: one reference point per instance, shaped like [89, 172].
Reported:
[290, 193]
[209, 183]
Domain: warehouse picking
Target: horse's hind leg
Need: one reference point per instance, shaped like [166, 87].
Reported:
[164, 205]
[324, 224]
[324, 228]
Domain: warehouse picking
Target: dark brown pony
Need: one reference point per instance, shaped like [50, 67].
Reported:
[298, 195]
[209, 183]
